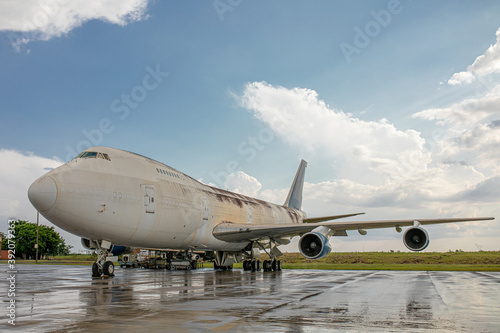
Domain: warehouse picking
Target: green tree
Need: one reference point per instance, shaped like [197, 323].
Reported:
[49, 240]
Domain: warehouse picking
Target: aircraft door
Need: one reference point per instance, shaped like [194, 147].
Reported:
[203, 234]
[149, 198]
[146, 227]
[205, 211]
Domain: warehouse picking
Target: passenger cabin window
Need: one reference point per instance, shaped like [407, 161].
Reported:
[93, 154]
[168, 173]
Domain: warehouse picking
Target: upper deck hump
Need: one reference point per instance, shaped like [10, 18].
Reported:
[137, 164]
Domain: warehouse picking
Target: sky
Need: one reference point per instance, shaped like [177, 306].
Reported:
[395, 105]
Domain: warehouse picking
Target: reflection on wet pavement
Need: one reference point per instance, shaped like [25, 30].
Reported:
[66, 298]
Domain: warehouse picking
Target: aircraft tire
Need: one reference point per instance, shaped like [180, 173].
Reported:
[274, 266]
[256, 266]
[267, 266]
[108, 268]
[96, 272]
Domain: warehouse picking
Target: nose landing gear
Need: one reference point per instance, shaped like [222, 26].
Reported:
[101, 267]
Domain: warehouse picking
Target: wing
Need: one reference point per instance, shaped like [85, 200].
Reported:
[328, 218]
[231, 232]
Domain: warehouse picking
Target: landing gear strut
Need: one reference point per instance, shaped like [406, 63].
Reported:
[223, 260]
[101, 266]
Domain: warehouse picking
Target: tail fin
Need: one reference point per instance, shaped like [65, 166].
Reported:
[294, 198]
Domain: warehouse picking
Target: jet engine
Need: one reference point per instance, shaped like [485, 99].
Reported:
[314, 245]
[90, 244]
[416, 239]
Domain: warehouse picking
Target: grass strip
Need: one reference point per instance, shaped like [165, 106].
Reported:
[404, 261]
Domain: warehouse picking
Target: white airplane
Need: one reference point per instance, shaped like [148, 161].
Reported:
[114, 198]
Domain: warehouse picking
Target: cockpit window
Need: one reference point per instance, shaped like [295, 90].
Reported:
[93, 154]
[88, 154]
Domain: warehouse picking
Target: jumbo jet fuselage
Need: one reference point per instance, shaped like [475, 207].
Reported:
[128, 199]
[112, 197]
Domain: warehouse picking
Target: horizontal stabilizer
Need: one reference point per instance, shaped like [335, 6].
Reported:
[328, 218]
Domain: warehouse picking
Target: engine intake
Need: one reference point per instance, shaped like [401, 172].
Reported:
[416, 239]
[314, 245]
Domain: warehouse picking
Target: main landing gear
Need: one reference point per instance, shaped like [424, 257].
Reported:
[267, 265]
[102, 267]
[272, 265]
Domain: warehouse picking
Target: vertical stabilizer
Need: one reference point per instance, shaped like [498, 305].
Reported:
[294, 198]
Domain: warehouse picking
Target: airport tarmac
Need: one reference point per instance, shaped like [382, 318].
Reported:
[52, 298]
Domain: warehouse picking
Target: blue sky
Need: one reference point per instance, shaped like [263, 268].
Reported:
[389, 126]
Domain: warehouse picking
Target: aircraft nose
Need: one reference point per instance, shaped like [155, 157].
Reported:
[43, 193]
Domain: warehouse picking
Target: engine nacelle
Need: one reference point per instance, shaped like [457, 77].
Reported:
[314, 245]
[90, 244]
[117, 250]
[416, 239]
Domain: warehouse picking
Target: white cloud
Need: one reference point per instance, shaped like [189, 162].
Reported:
[17, 171]
[485, 64]
[242, 183]
[467, 111]
[427, 196]
[461, 77]
[31, 20]
[471, 126]
[471, 131]
[384, 171]
[486, 191]
[374, 151]
[481, 135]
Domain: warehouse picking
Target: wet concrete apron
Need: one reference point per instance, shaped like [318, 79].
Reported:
[53, 298]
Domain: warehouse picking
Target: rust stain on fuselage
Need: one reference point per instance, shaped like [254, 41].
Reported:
[226, 196]
[280, 214]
